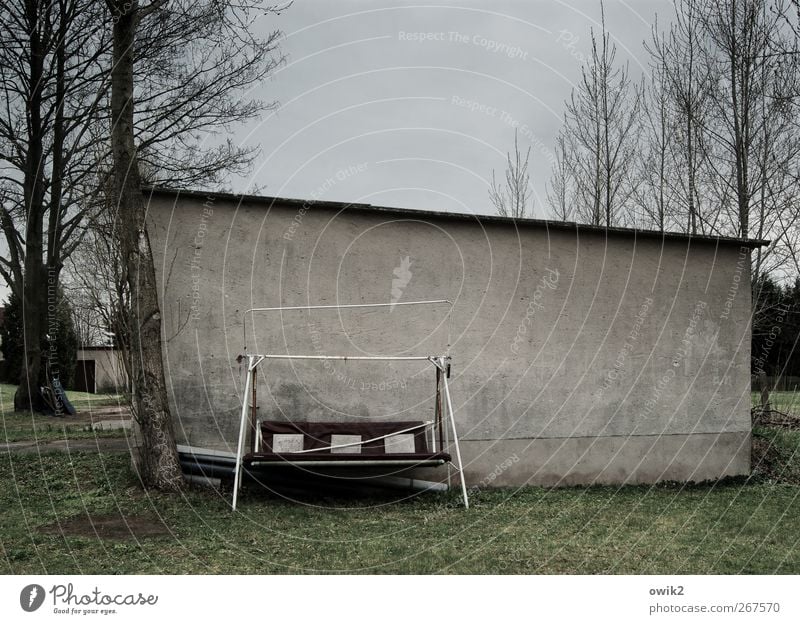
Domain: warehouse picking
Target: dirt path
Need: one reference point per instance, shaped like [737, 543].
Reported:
[99, 445]
[104, 418]
[103, 414]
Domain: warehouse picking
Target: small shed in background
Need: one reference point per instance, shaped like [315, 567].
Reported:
[99, 370]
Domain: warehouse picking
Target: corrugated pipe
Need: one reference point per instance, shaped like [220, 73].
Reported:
[223, 468]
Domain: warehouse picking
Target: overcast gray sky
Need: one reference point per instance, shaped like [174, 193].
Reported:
[413, 105]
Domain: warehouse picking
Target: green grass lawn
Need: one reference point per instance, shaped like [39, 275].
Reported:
[784, 452]
[783, 401]
[16, 426]
[81, 400]
[733, 526]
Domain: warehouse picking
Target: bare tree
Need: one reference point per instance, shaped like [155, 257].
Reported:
[193, 61]
[513, 198]
[97, 283]
[560, 190]
[754, 120]
[583, 130]
[158, 462]
[51, 85]
[683, 61]
[208, 54]
[601, 134]
[731, 74]
[653, 195]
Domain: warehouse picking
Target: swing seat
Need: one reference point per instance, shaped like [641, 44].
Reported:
[343, 444]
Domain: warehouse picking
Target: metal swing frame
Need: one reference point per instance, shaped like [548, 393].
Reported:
[438, 426]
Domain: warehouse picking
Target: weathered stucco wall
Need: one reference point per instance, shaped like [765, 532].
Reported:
[578, 357]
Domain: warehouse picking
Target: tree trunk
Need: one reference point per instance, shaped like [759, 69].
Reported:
[765, 391]
[49, 312]
[27, 392]
[158, 464]
[692, 225]
[690, 138]
[26, 396]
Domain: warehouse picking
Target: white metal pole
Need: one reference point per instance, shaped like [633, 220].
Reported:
[455, 440]
[436, 415]
[446, 434]
[401, 358]
[342, 306]
[240, 447]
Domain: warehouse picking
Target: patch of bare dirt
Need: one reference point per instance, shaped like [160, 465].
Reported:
[770, 462]
[766, 459]
[109, 526]
[87, 417]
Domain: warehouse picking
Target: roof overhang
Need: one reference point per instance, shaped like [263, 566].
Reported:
[268, 202]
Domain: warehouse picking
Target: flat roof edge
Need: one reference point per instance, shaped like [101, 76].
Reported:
[455, 216]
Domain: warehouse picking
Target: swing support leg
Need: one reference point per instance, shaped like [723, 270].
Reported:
[455, 434]
[237, 479]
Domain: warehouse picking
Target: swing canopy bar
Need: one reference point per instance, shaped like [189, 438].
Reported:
[343, 306]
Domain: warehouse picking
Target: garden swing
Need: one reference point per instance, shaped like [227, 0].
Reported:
[356, 445]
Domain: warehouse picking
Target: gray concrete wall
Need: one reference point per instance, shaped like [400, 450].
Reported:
[578, 357]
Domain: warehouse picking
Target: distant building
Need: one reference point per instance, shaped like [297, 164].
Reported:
[98, 369]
